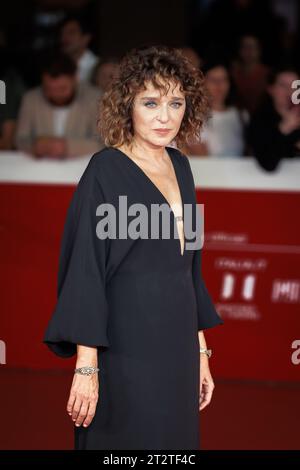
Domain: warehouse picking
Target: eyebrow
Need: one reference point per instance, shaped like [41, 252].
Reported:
[157, 98]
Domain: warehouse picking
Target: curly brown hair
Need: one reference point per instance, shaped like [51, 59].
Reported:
[159, 65]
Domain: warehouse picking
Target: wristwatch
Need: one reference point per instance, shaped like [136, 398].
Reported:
[208, 352]
[86, 370]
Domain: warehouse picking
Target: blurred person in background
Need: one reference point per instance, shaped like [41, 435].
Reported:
[223, 133]
[104, 72]
[250, 75]
[274, 130]
[59, 118]
[75, 37]
[12, 90]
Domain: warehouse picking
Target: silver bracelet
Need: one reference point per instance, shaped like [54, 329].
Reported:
[208, 352]
[86, 370]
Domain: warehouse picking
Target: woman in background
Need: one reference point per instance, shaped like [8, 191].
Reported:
[274, 130]
[105, 71]
[223, 134]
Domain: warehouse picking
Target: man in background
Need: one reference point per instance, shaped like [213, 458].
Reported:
[59, 118]
[12, 89]
[75, 38]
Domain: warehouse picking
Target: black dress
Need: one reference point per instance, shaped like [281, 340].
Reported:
[141, 303]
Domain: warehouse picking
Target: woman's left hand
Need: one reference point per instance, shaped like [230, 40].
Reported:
[206, 383]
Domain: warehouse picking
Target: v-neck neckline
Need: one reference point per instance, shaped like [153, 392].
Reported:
[177, 176]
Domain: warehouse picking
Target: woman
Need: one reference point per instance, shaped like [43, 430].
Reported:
[136, 307]
[104, 72]
[223, 134]
[274, 130]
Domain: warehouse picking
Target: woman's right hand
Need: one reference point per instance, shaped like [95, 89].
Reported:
[83, 398]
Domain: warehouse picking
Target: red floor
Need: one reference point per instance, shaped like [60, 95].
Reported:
[242, 415]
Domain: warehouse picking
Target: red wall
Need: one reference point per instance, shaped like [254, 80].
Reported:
[250, 265]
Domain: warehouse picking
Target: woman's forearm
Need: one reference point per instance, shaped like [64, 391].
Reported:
[202, 344]
[86, 356]
[202, 341]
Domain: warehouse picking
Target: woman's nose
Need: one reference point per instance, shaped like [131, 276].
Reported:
[163, 114]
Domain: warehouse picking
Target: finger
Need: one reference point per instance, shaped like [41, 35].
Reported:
[82, 413]
[71, 402]
[76, 408]
[90, 414]
[204, 403]
[205, 398]
[202, 387]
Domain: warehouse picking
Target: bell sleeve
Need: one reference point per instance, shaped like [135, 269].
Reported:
[207, 314]
[206, 311]
[81, 312]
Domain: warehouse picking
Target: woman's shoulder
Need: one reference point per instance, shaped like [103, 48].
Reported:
[100, 168]
[103, 156]
[103, 162]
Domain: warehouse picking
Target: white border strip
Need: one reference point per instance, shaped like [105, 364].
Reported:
[209, 172]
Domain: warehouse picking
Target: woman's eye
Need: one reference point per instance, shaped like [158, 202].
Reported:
[176, 104]
[150, 104]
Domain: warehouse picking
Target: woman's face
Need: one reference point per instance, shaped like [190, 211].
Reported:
[217, 83]
[156, 116]
[281, 90]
